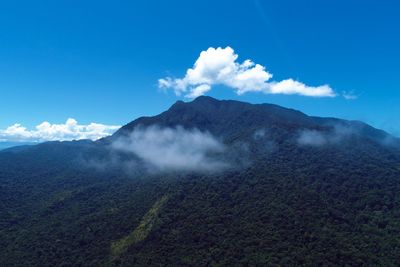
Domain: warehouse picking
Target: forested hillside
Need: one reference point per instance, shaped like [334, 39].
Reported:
[208, 182]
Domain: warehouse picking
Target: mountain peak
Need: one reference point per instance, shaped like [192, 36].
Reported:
[230, 119]
[221, 117]
[204, 98]
[204, 101]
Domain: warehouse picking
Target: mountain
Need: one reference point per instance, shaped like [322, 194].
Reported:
[227, 118]
[4, 145]
[207, 182]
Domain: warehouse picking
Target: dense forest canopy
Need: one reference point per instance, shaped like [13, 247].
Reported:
[206, 183]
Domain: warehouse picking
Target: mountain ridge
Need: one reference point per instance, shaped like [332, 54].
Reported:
[206, 104]
[199, 112]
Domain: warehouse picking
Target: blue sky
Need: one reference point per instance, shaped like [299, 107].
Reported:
[100, 61]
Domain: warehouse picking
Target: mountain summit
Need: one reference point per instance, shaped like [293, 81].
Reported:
[228, 118]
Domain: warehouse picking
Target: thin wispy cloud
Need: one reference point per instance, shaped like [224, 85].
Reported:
[337, 134]
[349, 95]
[70, 130]
[220, 66]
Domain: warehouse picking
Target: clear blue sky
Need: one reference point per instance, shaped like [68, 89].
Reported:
[99, 61]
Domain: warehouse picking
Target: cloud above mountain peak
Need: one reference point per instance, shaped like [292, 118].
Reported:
[219, 66]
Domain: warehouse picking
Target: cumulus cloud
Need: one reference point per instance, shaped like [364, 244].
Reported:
[219, 66]
[46, 131]
[166, 149]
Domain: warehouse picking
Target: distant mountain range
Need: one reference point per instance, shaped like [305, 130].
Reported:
[207, 182]
[4, 145]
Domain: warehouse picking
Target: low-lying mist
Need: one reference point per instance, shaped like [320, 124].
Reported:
[337, 134]
[173, 149]
[154, 149]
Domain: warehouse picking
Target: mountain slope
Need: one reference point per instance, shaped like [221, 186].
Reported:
[313, 191]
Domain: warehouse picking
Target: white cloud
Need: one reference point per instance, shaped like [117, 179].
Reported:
[173, 148]
[46, 131]
[337, 134]
[292, 87]
[199, 90]
[219, 66]
[312, 138]
[349, 95]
